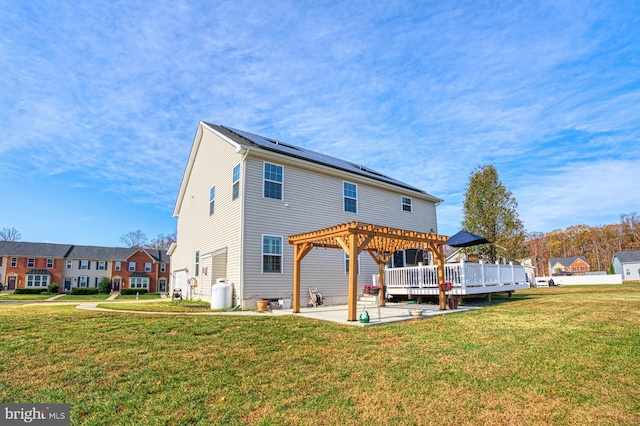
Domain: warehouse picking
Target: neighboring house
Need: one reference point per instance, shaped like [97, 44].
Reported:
[627, 264]
[242, 196]
[82, 266]
[31, 264]
[576, 265]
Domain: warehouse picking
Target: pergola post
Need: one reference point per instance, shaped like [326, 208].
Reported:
[353, 278]
[442, 296]
[299, 252]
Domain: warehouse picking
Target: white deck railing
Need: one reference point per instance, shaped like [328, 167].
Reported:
[467, 278]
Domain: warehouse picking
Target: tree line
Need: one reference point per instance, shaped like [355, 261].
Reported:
[597, 243]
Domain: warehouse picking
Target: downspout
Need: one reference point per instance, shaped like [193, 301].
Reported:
[240, 300]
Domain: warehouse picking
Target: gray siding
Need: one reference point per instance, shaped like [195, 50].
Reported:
[313, 199]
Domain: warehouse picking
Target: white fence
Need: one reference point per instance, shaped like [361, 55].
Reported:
[467, 278]
[584, 279]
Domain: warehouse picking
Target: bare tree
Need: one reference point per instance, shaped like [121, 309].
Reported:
[162, 242]
[10, 234]
[134, 239]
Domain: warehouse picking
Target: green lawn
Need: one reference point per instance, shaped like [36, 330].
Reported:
[14, 296]
[140, 297]
[561, 356]
[168, 306]
[82, 297]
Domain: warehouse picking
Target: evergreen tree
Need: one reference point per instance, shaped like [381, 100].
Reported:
[490, 211]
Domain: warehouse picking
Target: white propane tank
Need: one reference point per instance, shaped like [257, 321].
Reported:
[221, 293]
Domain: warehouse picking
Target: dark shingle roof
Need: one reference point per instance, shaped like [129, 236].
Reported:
[629, 256]
[38, 272]
[245, 138]
[24, 249]
[101, 253]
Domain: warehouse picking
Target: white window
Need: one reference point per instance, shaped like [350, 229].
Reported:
[139, 282]
[69, 263]
[163, 267]
[212, 200]
[37, 280]
[84, 264]
[31, 262]
[147, 267]
[118, 265]
[273, 177]
[132, 266]
[406, 204]
[83, 281]
[236, 182]
[14, 262]
[271, 254]
[347, 264]
[197, 262]
[102, 265]
[49, 263]
[350, 191]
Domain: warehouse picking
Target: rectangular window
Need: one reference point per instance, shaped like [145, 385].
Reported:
[139, 282]
[37, 280]
[14, 262]
[84, 264]
[197, 262]
[584, 268]
[271, 254]
[347, 264]
[273, 181]
[406, 204]
[83, 281]
[31, 262]
[147, 267]
[69, 263]
[163, 267]
[350, 191]
[236, 182]
[102, 265]
[118, 265]
[132, 266]
[212, 199]
[575, 269]
[49, 263]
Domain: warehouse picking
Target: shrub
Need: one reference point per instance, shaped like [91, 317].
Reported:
[37, 290]
[104, 286]
[53, 288]
[77, 291]
[133, 291]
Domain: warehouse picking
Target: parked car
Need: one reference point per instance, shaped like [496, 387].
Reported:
[541, 282]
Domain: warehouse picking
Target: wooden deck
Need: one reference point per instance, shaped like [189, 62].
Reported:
[467, 279]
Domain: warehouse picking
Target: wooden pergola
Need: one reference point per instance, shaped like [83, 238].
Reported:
[354, 238]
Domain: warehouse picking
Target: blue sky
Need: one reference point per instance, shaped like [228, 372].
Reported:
[100, 101]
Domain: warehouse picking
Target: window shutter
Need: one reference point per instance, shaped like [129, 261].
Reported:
[88, 265]
[79, 264]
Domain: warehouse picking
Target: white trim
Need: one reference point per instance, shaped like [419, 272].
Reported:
[350, 198]
[264, 164]
[262, 253]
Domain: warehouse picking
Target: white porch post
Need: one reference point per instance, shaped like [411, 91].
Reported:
[484, 282]
[499, 275]
[513, 274]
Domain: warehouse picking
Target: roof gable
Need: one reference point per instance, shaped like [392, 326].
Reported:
[566, 261]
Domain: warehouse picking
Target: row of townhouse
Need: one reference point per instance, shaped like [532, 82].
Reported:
[32, 265]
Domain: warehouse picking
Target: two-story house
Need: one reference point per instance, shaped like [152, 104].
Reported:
[575, 265]
[242, 195]
[26, 264]
[627, 264]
